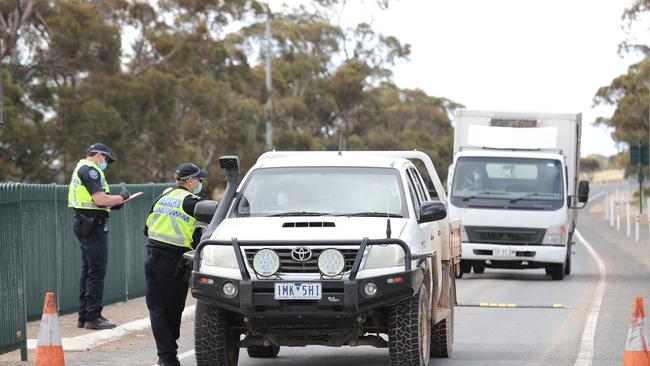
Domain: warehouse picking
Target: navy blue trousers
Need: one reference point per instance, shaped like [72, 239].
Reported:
[94, 256]
[166, 293]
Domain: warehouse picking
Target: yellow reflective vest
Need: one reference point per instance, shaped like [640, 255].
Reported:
[168, 222]
[78, 194]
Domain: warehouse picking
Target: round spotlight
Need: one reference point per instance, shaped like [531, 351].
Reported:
[370, 289]
[331, 262]
[266, 262]
[229, 289]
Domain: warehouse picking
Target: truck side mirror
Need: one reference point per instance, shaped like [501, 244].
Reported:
[432, 211]
[204, 210]
[583, 191]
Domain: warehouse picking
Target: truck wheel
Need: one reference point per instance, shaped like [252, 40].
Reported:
[442, 334]
[556, 271]
[215, 342]
[478, 268]
[567, 266]
[464, 268]
[409, 331]
[263, 351]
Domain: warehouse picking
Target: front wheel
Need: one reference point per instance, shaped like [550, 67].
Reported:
[556, 271]
[409, 331]
[479, 268]
[215, 340]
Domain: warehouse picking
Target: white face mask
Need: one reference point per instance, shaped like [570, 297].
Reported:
[198, 189]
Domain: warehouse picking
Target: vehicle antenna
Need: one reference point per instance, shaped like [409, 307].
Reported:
[340, 144]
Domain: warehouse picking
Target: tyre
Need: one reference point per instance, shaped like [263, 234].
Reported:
[478, 268]
[442, 334]
[263, 351]
[567, 265]
[556, 271]
[409, 331]
[215, 342]
[464, 268]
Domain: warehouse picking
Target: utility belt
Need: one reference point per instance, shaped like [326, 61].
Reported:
[88, 222]
[182, 268]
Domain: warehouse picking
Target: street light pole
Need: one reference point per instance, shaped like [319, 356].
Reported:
[269, 81]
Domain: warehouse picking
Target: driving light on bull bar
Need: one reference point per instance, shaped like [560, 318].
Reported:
[266, 262]
[229, 289]
[331, 262]
[370, 289]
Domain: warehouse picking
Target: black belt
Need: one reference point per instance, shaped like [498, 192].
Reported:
[101, 221]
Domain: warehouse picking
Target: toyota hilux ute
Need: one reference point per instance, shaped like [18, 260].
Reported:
[327, 248]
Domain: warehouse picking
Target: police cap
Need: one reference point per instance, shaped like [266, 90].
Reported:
[103, 149]
[186, 171]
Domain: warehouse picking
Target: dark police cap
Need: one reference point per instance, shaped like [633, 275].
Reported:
[103, 149]
[188, 170]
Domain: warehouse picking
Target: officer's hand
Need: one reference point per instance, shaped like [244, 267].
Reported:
[125, 194]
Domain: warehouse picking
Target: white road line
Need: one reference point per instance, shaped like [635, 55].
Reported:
[586, 352]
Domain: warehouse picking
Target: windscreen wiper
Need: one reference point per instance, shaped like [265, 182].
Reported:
[300, 213]
[371, 214]
[465, 199]
[532, 194]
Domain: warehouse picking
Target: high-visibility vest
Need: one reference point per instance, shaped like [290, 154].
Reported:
[168, 222]
[78, 194]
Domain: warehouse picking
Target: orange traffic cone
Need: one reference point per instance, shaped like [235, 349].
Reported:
[49, 351]
[636, 347]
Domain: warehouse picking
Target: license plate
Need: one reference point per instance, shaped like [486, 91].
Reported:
[504, 252]
[298, 291]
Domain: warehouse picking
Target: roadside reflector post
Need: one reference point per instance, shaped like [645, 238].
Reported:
[628, 219]
[637, 227]
[611, 210]
[618, 216]
[606, 207]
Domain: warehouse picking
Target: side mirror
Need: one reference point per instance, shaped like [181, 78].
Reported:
[204, 210]
[583, 191]
[432, 211]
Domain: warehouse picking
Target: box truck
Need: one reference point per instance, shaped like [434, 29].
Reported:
[514, 184]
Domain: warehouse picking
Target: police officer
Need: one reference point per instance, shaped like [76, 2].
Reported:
[171, 232]
[90, 197]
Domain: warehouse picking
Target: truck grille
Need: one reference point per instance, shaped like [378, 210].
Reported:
[289, 265]
[504, 235]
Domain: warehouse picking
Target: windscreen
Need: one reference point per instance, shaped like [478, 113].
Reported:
[315, 191]
[513, 179]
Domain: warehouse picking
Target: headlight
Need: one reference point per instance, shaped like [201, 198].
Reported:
[384, 256]
[266, 262]
[463, 235]
[331, 262]
[555, 236]
[219, 256]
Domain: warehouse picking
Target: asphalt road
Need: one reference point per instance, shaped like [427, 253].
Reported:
[535, 335]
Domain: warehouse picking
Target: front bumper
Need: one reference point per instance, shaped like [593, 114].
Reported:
[340, 297]
[528, 253]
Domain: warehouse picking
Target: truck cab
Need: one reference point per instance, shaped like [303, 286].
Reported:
[328, 249]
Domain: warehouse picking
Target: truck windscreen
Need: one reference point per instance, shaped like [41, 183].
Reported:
[517, 182]
[321, 191]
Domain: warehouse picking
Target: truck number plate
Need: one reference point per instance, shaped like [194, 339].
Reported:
[298, 291]
[504, 252]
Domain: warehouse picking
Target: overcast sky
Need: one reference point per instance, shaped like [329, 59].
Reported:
[519, 55]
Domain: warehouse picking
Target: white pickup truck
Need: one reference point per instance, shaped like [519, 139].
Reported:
[327, 248]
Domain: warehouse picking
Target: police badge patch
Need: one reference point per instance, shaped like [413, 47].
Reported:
[93, 174]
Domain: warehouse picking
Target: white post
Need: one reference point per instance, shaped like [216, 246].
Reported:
[618, 216]
[628, 219]
[606, 205]
[611, 210]
[638, 228]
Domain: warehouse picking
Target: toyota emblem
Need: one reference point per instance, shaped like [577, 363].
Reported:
[301, 254]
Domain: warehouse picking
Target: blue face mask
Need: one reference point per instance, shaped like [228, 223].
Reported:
[103, 165]
[198, 189]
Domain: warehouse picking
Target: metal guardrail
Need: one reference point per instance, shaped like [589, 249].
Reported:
[40, 253]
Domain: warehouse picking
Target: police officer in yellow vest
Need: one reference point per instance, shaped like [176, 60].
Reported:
[90, 197]
[171, 231]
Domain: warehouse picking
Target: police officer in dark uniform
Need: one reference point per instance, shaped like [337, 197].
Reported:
[90, 197]
[171, 231]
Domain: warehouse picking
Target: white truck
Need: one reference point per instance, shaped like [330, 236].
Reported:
[327, 248]
[514, 184]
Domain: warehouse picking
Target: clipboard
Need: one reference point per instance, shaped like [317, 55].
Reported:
[133, 196]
